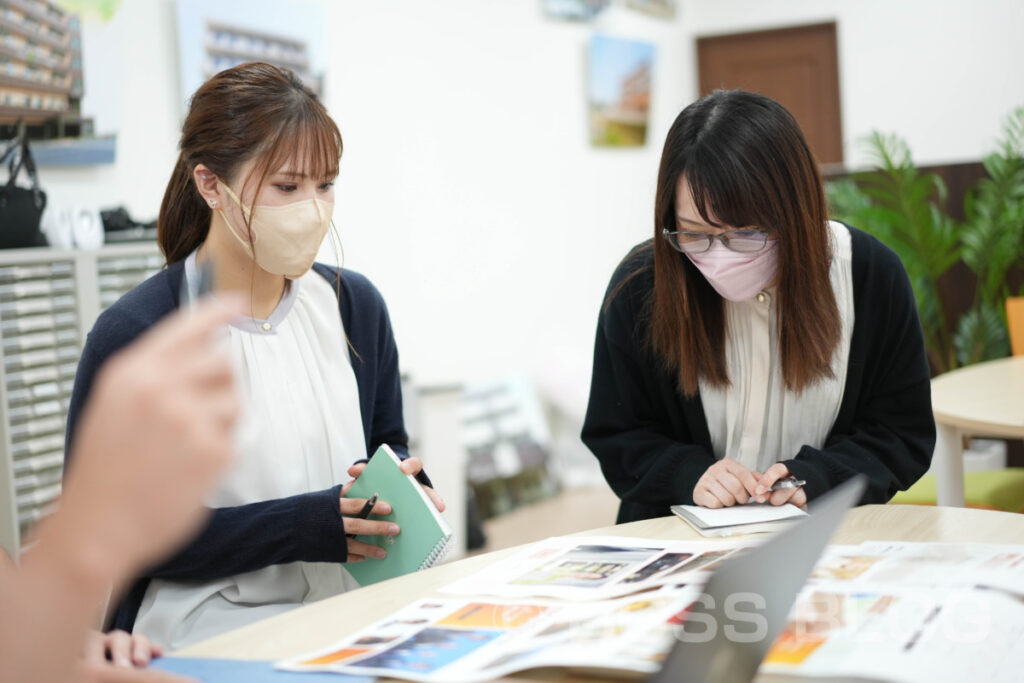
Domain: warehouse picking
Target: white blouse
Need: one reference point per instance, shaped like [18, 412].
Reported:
[756, 421]
[299, 432]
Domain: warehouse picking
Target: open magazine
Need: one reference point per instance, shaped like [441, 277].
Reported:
[900, 611]
[449, 641]
[895, 563]
[891, 611]
[598, 567]
[901, 635]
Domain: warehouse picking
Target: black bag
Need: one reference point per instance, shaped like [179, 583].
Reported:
[21, 208]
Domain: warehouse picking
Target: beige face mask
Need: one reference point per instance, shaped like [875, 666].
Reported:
[286, 238]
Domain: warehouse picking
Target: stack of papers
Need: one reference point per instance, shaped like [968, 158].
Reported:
[751, 518]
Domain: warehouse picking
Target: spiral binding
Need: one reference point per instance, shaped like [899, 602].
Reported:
[436, 553]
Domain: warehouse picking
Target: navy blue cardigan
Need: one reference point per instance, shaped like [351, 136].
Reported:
[305, 527]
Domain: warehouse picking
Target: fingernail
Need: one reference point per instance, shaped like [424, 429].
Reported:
[123, 661]
[393, 529]
[385, 509]
[379, 554]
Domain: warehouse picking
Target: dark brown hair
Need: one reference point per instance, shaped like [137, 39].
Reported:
[747, 164]
[253, 110]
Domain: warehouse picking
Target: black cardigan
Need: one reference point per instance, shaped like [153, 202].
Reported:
[653, 442]
[305, 527]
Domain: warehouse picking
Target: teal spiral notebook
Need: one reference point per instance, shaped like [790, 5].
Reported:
[425, 535]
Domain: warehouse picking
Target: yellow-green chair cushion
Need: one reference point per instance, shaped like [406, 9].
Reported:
[990, 489]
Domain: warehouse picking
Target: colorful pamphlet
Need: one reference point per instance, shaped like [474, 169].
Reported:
[597, 567]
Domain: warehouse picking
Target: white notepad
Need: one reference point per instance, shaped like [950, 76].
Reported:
[738, 519]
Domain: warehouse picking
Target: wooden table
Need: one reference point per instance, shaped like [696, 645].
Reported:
[321, 624]
[986, 399]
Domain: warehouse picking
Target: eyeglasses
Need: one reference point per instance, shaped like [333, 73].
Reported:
[744, 240]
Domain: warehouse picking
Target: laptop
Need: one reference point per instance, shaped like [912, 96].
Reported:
[744, 605]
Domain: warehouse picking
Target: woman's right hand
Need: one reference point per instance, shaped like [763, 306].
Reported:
[724, 484]
[350, 508]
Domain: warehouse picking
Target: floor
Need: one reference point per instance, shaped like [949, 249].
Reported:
[572, 510]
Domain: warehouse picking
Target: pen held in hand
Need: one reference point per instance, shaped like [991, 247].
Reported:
[787, 483]
[365, 512]
[191, 292]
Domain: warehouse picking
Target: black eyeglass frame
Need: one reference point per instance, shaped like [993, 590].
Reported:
[759, 237]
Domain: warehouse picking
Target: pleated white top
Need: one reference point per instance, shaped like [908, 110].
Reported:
[300, 431]
[756, 421]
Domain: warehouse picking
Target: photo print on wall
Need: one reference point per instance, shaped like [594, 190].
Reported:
[573, 10]
[619, 91]
[665, 9]
[217, 36]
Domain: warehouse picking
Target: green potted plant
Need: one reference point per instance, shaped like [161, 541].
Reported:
[906, 209]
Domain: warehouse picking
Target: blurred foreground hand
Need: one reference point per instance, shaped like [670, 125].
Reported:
[156, 433]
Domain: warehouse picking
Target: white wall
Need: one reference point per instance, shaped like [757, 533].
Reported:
[468, 191]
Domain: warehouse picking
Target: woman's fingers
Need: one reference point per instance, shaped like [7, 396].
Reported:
[770, 476]
[435, 497]
[353, 506]
[744, 477]
[365, 550]
[721, 493]
[725, 483]
[795, 496]
[141, 650]
[369, 527]
[412, 466]
[733, 485]
[119, 648]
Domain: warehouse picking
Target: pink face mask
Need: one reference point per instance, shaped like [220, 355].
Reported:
[737, 276]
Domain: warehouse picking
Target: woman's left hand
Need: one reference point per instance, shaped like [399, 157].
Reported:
[771, 475]
[411, 466]
[120, 648]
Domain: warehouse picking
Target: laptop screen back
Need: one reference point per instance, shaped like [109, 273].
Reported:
[744, 606]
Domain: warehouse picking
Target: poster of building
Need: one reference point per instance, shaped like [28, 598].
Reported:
[573, 10]
[213, 36]
[665, 9]
[619, 91]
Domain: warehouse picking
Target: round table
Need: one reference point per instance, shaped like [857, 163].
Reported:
[986, 399]
[322, 623]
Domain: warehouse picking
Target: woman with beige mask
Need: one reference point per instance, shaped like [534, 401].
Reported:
[252, 194]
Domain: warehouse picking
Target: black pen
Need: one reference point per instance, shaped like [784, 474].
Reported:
[365, 512]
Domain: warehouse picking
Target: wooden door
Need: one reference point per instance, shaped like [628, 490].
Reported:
[797, 67]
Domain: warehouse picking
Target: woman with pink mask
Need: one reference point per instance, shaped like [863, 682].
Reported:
[252, 193]
[753, 339]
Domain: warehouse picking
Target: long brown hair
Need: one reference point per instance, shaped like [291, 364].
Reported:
[746, 163]
[253, 110]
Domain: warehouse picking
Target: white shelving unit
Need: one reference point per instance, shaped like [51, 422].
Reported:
[49, 300]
